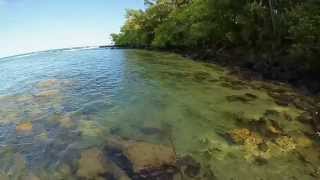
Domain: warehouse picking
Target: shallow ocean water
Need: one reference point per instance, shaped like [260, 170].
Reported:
[57, 105]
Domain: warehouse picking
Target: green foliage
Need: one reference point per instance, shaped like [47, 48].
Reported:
[264, 26]
[304, 29]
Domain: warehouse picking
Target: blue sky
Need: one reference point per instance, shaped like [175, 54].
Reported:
[34, 25]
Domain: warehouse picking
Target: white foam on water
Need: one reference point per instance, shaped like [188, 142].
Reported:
[80, 48]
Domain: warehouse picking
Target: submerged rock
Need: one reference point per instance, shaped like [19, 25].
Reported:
[282, 99]
[43, 136]
[231, 86]
[90, 128]
[91, 164]
[24, 128]
[242, 136]
[93, 107]
[305, 117]
[149, 156]
[271, 113]
[303, 141]
[311, 118]
[20, 162]
[274, 130]
[286, 143]
[18, 170]
[309, 155]
[144, 155]
[200, 76]
[232, 83]
[260, 161]
[239, 98]
[48, 93]
[115, 130]
[189, 166]
[47, 83]
[52, 84]
[151, 131]
[143, 160]
[31, 177]
[252, 96]
[266, 126]
[302, 103]
[66, 122]
[175, 74]
[239, 135]
[115, 172]
[316, 121]
[64, 172]
[3, 176]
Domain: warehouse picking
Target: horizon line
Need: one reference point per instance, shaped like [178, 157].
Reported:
[56, 49]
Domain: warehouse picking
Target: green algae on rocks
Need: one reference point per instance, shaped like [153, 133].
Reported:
[58, 119]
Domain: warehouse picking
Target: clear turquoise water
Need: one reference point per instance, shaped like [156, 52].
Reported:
[55, 105]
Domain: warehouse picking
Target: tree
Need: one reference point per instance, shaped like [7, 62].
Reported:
[270, 27]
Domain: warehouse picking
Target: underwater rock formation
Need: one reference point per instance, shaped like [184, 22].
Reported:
[200, 76]
[91, 164]
[286, 143]
[144, 155]
[188, 166]
[24, 128]
[151, 128]
[48, 93]
[303, 141]
[52, 84]
[90, 128]
[148, 156]
[242, 136]
[151, 131]
[238, 98]
[47, 83]
[246, 98]
[142, 160]
[31, 177]
[66, 122]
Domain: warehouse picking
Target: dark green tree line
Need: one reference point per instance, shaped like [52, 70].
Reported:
[289, 28]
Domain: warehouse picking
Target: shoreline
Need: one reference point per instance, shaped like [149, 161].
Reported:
[304, 83]
[243, 69]
[236, 67]
[298, 97]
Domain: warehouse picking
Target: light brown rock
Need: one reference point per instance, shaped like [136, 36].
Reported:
[91, 164]
[149, 156]
[144, 156]
[24, 128]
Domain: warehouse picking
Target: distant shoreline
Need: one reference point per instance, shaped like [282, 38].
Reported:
[62, 49]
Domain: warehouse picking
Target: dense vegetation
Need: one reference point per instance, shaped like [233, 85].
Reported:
[279, 38]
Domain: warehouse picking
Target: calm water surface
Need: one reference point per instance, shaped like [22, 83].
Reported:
[56, 105]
